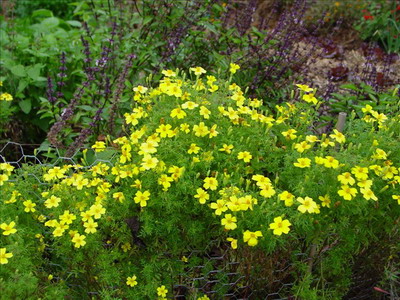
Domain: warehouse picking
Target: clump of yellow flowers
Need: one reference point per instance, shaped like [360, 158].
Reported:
[197, 149]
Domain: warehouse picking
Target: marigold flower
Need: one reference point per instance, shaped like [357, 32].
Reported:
[4, 256]
[229, 222]
[245, 156]
[251, 238]
[219, 206]
[307, 205]
[331, 162]
[287, 197]
[8, 228]
[202, 195]
[131, 281]
[233, 242]
[233, 68]
[346, 178]
[168, 73]
[280, 226]
[198, 71]
[79, 240]
[326, 200]
[29, 206]
[347, 192]
[304, 88]
[99, 146]
[162, 291]
[338, 136]
[303, 163]
[210, 183]
[90, 226]
[6, 97]
[226, 148]
[290, 134]
[368, 194]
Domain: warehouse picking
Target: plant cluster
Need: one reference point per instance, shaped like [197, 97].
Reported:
[199, 161]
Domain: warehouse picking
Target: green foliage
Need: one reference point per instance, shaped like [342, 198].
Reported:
[153, 206]
[381, 24]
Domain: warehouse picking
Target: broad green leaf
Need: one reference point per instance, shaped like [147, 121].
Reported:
[74, 23]
[34, 71]
[26, 105]
[18, 70]
[42, 13]
[50, 22]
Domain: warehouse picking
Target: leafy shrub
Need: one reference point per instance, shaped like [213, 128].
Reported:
[380, 24]
[199, 161]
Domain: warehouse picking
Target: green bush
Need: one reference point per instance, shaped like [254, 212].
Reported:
[201, 162]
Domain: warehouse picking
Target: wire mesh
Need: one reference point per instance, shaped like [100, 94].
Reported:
[220, 273]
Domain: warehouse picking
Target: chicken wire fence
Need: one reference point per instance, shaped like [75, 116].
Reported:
[225, 274]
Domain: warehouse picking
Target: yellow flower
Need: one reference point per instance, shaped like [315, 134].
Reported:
[303, 163]
[379, 154]
[213, 131]
[3, 178]
[233, 68]
[198, 71]
[396, 197]
[229, 222]
[251, 238]
[6, 97]
[331, 162]
[168, 73]
[200, 130]
[184, 127]
[361, 173]
[226, 148]
[178, 113]
[280, 226]
[202, 195]
[290, 134]
[326, 201]
[67, 217]
[140, 89]
[338, 136]
[119, 196]
[193, 149]
[8, 228]
[233, 242]
[4, 256]
[29, 206]
[53, 201]
[287, 197]
[97, 210]
[149, 162]
[162, 291]
[307, 205]
[347, 192]
[301, 147]
[210, 183]
[245, 156]
[311, 138]
[346, 178]
[219, 207]
[310, 98]
[131, 281]
[99, 146]
[165, 130]
[304, 88]
[368, 194]
[79, 240]
[90, 226]
[142, 198]
[126, 247]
